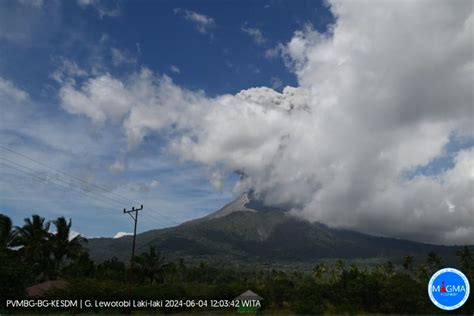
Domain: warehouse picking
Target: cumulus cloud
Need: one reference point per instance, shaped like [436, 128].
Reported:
[255, 33]
[374, 101]
[202, 22]
[100, 98]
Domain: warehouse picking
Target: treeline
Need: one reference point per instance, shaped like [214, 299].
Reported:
[31, 254]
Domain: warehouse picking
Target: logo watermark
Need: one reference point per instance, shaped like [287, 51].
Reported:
[448, 289]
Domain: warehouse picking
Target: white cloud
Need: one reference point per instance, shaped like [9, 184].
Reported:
[121, 234]
[154, 184]
[103, 8]
[14, 106]
[255, 33]
[374, 101]
[118, 166]
[9, 91]
[99, 98]
[274, 52]
[216, 179]
[73, 234]
[202, 22]
[24, 21]
[175, 69]
[68, 69]
[276, 82]
[451, 206]
[139, 49]
[144, 186]
[120, 57]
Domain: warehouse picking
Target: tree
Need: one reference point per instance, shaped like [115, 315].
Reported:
[387, 269]
[62, 243]
[336, 270]
[434, 261]
[182, 269]
[280, 288]
[82, 266]
[33, 237]
[112, 269]
[408, 262]
[466, 259]
[318, 272]
[7, 235]
[14, 274]
[150, 265]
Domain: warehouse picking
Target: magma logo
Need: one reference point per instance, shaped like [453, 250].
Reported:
[448, 289]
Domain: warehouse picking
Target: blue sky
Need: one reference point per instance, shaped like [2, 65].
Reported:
[154, 34]
[326, 106]
[223, 57]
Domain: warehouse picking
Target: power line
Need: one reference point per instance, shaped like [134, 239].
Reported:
[68, 175]
[65, 182]
[167, 218]
[41, 179]
[155, 214]
[82, 189]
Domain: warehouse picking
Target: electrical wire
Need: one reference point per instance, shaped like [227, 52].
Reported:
[69, 184]
[42, 180]
[69, 175]
[128, 200]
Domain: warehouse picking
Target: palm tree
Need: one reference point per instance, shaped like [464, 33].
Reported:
[7, 235]
[151, 264]
[434, 261]
[466, 258]
[34, 237]
[62, 243]
[408, 262]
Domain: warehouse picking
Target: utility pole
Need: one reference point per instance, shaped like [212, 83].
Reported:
[135, 220]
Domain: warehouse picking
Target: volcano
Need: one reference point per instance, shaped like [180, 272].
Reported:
[248, 231]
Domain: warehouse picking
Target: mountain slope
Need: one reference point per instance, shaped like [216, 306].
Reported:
[247, 231]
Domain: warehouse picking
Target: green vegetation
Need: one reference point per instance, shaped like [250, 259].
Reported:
[32, 254]
[332, 288]
[266, 235]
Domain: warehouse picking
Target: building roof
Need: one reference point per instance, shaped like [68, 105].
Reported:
[39, 289]
[248, 295]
